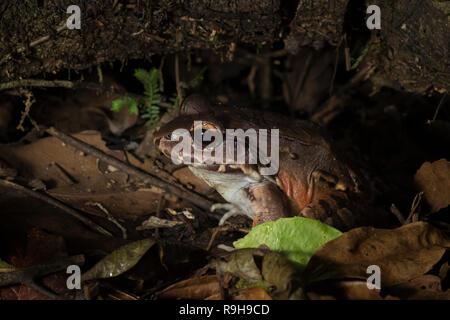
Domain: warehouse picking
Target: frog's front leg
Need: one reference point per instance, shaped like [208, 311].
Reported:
[262, 203]
[231, 211]
[268, 203]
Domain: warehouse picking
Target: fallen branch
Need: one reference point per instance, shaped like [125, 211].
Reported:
[185, 194]
[56, 203]
[37, 83]
[28, 275]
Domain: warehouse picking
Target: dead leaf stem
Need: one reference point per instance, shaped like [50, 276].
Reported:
[56, 203]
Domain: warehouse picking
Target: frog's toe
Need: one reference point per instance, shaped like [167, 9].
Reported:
[224, 206]
[231, 211]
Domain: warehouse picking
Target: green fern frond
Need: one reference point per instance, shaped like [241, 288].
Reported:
[197, 79]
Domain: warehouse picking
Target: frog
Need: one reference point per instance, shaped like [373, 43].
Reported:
[313, 179]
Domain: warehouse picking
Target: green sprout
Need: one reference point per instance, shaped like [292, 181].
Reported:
[148, 107]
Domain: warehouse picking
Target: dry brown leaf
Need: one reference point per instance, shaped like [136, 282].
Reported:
[426, 287]
[255, 293]
[343, 290]
[194, 288]
[402, 254]
[155, 222]
[434, 180]
[276, 271]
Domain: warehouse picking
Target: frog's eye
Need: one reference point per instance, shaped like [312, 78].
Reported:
[168, 136]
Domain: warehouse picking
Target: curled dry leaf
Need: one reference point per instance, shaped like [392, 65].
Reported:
[434, 180]
[155, 222]
[194, 288]
[254, 293]
[119, 261]
[241, 264]
[342, 290]
[426, 287]
[402, 254]
[276, 271]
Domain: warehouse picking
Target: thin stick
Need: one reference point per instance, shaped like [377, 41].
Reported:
[177, 80]
[133, 171]
[397, 214]
[109, 216]
[213, 237]
[27, 275]
[34, 43]
[37, 83]
[439, 107]
[56, 203]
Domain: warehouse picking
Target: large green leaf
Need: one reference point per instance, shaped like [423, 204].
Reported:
[297, 238]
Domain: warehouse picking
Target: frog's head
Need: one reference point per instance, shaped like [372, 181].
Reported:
[180, 132]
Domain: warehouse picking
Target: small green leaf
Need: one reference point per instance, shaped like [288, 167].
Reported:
[119, 261]
[133, 108]
[356, 62]
[296, 238]
[197, 79]
[118, 104]
[4, 265]
[133, 105]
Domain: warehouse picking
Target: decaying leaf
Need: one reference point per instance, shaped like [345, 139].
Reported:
[434, 180]
[119, 261]
[241, 264]
[343, 290]
[425, 287]
[402, 254]
[194, 288]
[276, 271]
[255, 293]
[155, 222]
[296, 238]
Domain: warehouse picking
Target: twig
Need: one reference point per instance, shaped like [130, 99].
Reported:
[177, 81]
[348, 65]
[221, 229]
[109, 216]
[158, 214]
[133, 171]
[27, 276]
[329, 109]
[56, 203]
[397, 214]
[37, 83]
[100, 74]
[72, 85]
[34, 43]
[26, 113]
[63, 174]
[415, 204]
[161, 76]
[213, 237]
[438, 107]
[336, 62]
